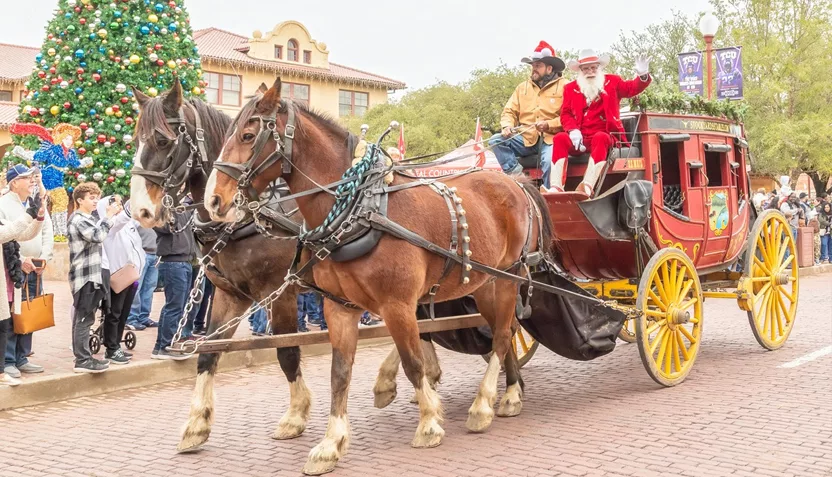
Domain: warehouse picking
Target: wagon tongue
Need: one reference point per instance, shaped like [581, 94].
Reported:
[571, 327]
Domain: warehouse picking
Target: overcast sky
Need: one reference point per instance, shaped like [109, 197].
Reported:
[418, 42]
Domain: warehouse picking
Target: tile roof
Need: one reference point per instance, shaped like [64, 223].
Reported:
[8, 114]
[16, 62]
[225, 47]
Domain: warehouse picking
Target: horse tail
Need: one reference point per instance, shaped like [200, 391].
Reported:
[547, 231]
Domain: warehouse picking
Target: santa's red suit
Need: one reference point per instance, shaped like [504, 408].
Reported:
[596, 121]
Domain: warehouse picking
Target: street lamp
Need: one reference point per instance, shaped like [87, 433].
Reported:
[708, 25]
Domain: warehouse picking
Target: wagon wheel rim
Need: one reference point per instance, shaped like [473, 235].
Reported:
[523, 345]
[670, 328]
[773, 271]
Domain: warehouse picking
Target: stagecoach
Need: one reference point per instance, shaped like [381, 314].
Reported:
[669, 225]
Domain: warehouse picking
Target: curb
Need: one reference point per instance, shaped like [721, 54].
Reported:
[35, 391]
[815, 270]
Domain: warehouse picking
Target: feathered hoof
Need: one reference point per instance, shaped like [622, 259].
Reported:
[509, 408]
[428, 436]
[384, 394]
[289, 427]
[414, 399]
[191, 443]
[479, 421]
[322, 459]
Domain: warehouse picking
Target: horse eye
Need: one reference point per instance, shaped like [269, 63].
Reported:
[248, 137]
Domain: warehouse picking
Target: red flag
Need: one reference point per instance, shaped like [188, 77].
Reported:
[401, 145]
[478, 147]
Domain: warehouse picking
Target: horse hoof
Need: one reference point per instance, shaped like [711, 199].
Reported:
[289, 429]
[384, 398]
[322, 459]
[190, 445]
[479, 421]
[430, 436]
[510, 409]
[319, 467]
[414, 399]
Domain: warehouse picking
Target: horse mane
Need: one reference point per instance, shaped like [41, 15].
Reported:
[214, 122]
[323, 119]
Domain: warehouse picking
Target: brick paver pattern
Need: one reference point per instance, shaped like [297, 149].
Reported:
[737, 414]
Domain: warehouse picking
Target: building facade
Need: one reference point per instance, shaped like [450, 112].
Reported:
[234, 66]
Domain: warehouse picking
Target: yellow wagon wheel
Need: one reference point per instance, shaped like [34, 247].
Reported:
[771, 280]
[669, 328]
[628, 332]
[523, 345]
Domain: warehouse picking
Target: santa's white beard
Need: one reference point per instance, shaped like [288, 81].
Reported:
[591, 88]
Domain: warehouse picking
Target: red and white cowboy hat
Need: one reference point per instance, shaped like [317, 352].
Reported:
[588, 57]
[545, 54]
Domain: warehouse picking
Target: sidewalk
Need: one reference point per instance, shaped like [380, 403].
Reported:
[58, 382]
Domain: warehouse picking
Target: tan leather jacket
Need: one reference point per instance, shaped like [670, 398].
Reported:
[530, 104]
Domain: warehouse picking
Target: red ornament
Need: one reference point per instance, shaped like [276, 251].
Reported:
[82, 150]
[84, 126]
[111, 179]
[101, 138]
[80, 71]
[52, 70]
[117, 59]
[50, 36]
[112, 139]
[172, 4]
[45, 87]
[54, 81]
[124, 99]
[157, 46]
[116, 108]
[78, 10]
[128, 121]
[82, 21]
[160, 62]
[41, 74]
[34, 111]
[96, 77]
[67, 105]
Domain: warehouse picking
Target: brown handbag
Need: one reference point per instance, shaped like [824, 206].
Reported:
[124, 277]
[35, 314]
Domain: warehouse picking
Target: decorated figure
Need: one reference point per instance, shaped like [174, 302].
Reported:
[591, 117]
[54, 158]
[534, 108]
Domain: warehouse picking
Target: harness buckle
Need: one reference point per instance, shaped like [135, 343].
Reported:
[290, 131]
[323, 254]
[433, 290]
[167, 201]
[200, 134]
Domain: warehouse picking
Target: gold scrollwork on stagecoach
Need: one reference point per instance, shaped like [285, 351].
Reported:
[670, 243]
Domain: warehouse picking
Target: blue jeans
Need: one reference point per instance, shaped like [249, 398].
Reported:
[825, 246]
[18, 346]
[310, 305]
[207, 298]
[140, 311]
[177, 277]
[259, 321]
[508, 150]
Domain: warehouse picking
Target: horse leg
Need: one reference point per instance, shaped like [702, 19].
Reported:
[432, 369]
[496, 304]
[512, 402]
[284, 320]
[401, 321]
[343, 335]
[198, 427]
[385, 387]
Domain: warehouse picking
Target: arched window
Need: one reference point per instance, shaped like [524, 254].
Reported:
[292, 48]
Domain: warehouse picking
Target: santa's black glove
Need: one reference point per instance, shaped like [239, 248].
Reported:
[35, 202]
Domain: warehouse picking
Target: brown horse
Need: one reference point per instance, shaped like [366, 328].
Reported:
[394, 276]
[245, 269]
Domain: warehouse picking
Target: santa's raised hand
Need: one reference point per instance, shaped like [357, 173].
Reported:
[642, 65]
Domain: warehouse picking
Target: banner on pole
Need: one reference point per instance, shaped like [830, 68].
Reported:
[729, 73]
[690, 73]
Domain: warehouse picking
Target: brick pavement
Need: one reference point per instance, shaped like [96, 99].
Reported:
[737, 414]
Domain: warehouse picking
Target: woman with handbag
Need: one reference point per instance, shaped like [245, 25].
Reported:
[121, 264]
[11, 280]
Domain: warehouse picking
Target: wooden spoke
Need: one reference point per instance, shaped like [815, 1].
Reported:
[655, 314]
[663, 350]
[686, 289]
[657, 301]
[763, 250]
[777, 239]
[687, 334]
[689, 303]
[672, 293]
[680, 282]
[763, 267]
[790, 296]
[660, 287]
[786, 263]
[522, 341]
[781, 252]
[782, 305]
[681, 342]
[676, 360]
[765, 289]
[655, 326]
[658, 339]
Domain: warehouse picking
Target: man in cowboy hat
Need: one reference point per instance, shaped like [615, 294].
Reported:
[591, 116]
[535, 108]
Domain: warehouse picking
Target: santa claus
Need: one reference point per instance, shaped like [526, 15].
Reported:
[591, 117]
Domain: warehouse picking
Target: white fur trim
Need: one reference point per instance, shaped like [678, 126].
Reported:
[546, 52]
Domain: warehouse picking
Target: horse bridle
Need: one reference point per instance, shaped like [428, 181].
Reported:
[179, 170]
[245, 173]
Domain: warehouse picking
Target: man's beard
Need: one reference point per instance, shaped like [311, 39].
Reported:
[591, 88]
[544, 80]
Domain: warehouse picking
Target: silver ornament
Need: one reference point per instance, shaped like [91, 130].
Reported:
[120, 173]
[97, 176]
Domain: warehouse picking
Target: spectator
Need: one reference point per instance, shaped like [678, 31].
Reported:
[203, 313]
[25, 227]
[813, 222]
[310, 305]
[259, 322]
[825, 224]
[122, 248]
[139, 318]
[804, 203]
[369, 319]
[86, 236]
[13, 206]
[793, 212]
[175, 251]
[759, 199]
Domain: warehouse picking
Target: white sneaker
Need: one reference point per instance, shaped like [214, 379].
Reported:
[7, 380]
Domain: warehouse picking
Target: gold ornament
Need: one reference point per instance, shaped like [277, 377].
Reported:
[59, 199]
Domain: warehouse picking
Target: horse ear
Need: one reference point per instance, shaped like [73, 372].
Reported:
[263, 88]
[271, 98]
[141, 98]
[174, 98]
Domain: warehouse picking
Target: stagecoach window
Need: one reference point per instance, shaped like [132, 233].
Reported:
[222, 89]
[5, 96]
[352, 103]
[296, 92]
[292, 48]
[671, 175]
[713, 168]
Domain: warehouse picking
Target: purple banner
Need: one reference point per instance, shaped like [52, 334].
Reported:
[729, 73]
[690, 73]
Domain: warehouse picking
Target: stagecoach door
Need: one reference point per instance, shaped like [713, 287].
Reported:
[716, 174]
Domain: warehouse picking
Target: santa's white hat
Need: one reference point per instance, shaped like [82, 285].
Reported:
[545, 54]
[589, 57]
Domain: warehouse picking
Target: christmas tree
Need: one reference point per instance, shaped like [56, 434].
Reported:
[93, 53]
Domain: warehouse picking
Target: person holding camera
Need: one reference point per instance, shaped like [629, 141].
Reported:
[23, 183]
[25, 227]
